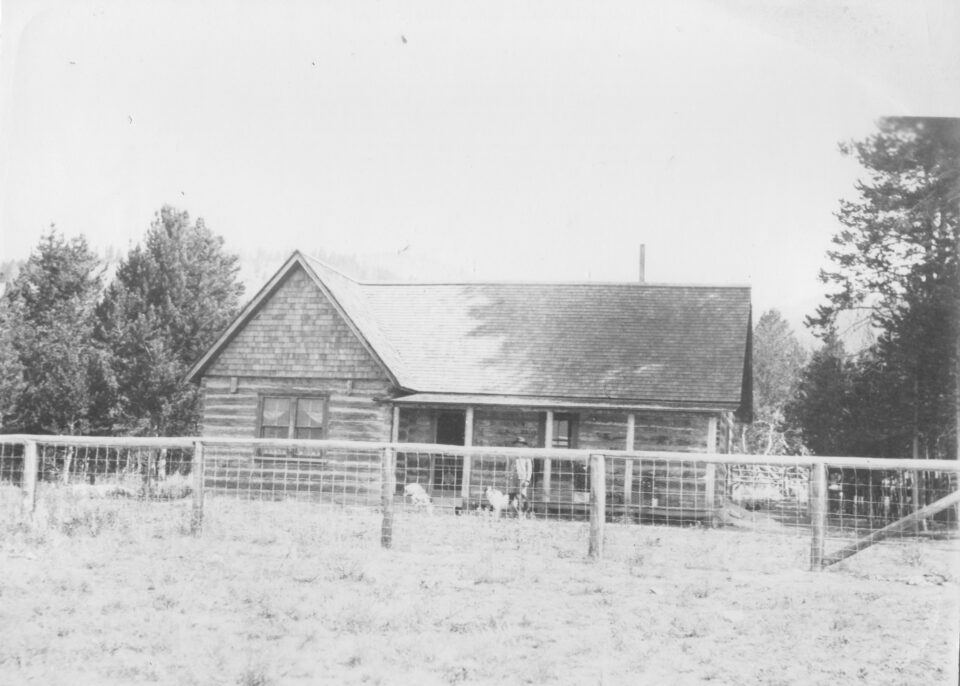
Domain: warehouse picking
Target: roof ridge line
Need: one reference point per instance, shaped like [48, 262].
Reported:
[552, 283]
[329, 267]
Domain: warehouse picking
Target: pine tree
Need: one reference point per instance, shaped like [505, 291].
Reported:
[51, 367]
[169, 300]
[821, 406]
[897, 259]
[778, 358]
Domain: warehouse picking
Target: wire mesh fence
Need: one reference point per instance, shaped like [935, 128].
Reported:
[814, 511]
[88, 485]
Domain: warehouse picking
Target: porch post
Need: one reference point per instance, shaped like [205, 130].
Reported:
[395, 427]
[468, 442]
[710, 470]
[628, 462]
[547, 443]
[712, 435]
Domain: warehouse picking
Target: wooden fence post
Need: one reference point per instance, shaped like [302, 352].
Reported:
[628, 465]
[710, 487]
[196, 523]
[627, 485]
[547, 462]
[818, 514]
[30, 477]
[467, 460]
[598, 505]
[388, 480]
[915, 496]
[148, 475]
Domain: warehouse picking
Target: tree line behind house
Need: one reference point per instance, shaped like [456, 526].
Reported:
[894, 267]
[79, 355]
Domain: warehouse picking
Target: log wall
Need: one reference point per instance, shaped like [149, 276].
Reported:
[417, 425]
[354, 412]
[340, 477]
[684, 432]
[494, 427]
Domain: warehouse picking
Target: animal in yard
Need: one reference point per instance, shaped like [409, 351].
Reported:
[519, 500]
[497, 500]
[519, 504]
[419, 497]
[518, 497]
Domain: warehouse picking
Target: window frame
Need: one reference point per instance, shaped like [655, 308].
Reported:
[573, 430]
[580, 474]
[294, 399]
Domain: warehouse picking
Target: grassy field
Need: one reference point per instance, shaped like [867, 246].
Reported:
[114, 592]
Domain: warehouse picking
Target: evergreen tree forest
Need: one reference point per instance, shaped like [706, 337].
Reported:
[895, 262]
[83, 355]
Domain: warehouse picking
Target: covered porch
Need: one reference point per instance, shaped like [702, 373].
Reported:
[546, 429]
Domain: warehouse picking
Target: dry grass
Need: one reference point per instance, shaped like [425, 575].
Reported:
[113, 592]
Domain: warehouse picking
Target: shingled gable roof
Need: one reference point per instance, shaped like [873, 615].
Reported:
[610, 343]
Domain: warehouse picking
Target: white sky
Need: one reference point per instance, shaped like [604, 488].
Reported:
[503, 140]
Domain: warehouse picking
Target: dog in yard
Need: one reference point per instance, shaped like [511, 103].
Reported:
[517, 502]
[496, 500]
[419, 497]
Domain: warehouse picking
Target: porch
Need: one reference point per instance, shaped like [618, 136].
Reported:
[555, 436]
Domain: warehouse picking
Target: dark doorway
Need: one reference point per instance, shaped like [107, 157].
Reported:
[448, 469]
[451, 427]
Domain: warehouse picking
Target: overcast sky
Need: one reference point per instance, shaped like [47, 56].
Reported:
[487, 139]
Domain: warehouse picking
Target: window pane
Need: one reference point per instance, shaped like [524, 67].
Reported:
[309, 413]
[561, 433]
[276, 412]
[273, 431]
[314, 433]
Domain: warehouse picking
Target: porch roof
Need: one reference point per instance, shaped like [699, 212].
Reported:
[538, 402]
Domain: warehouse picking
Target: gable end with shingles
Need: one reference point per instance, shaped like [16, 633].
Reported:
[291, 328]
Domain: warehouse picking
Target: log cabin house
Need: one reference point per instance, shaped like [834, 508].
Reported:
[598, 366]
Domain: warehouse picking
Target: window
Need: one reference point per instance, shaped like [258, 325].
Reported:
[564, 431]
[286, 417]
[447, 472]
[565, 436]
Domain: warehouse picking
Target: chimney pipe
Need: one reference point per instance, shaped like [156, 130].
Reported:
[643, 262]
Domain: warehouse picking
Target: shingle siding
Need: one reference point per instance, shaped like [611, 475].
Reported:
[296, 333]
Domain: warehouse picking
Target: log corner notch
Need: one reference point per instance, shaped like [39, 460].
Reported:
[895, 528]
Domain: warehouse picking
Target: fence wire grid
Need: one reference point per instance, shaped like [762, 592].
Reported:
[803, 510]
